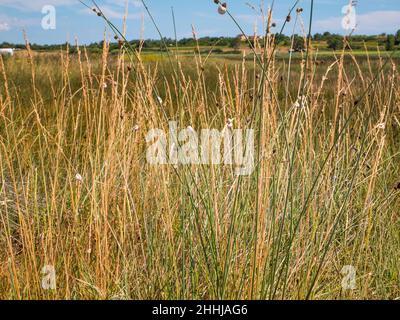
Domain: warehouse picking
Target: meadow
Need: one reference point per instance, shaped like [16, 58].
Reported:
[318, 218]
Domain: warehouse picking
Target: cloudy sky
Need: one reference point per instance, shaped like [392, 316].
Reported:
[73, 20]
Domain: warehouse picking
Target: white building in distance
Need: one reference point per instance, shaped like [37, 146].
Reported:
[7, 52]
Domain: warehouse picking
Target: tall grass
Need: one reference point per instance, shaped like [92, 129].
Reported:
[322, 196]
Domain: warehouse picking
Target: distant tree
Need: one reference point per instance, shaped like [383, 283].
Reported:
[318, 37]
[250, 43]
[335, 43]
[390, 42]
[398, 37]
[236, 43]
[298, 43]
[281, 39]
[326, 35]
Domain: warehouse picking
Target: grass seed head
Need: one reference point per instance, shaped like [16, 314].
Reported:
[222, 8]
[78, 178]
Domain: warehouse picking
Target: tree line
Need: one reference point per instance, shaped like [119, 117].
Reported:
[333, 41]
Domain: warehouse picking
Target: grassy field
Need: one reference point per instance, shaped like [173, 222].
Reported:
[77, 194]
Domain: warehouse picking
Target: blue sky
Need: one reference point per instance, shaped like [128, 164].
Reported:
[74, 20]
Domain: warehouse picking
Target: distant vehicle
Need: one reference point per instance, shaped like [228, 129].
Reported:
[7, 52]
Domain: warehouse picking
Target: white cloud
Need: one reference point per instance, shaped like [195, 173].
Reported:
[112, 13]
[115, 9]
[4, 26]
[35, 5]
[7, 23]
[369, 23]
[122, 3]
[248, 18]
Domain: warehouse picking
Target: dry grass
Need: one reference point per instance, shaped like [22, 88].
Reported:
[323, 195]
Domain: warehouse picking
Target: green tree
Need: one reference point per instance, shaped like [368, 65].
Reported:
[298, 43]
[236, 43]
[326, 35]
[318, 37]
[398, 37]
[390, 42]
[335, 43]
[281, 39]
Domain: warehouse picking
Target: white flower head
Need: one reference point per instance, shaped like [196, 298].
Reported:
[78, 177]
[136, 127]
[381, 126]
[160, 100]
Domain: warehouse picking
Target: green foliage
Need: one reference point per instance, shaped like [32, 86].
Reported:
[397, 37]
[390, 42]
[298, 43]
[324, 40]
[335, 43]
[236, 43]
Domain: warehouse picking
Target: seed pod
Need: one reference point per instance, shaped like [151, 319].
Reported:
[222, 8]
